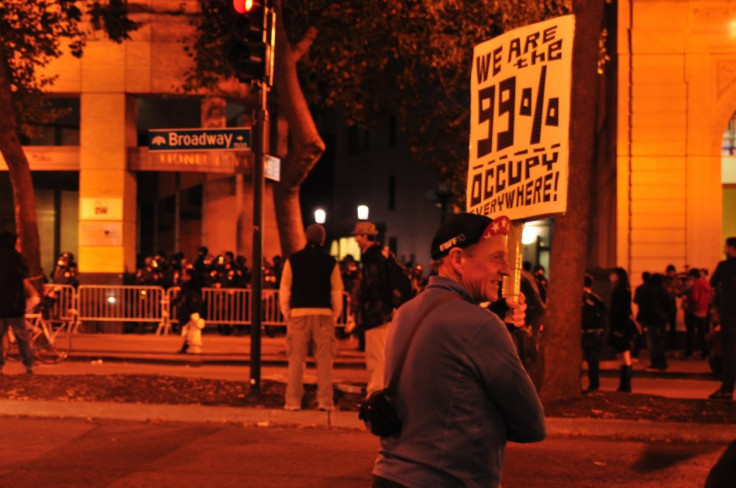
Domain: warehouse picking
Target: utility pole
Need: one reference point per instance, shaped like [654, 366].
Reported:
[250, 51]
[259, 184]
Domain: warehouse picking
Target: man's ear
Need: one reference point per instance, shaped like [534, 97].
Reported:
[456, 258]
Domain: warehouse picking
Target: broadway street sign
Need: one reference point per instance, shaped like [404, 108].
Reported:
[229, 139]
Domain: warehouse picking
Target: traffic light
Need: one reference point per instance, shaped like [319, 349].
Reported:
[250, 47]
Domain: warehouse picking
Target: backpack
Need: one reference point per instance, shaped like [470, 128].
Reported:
[399, 284]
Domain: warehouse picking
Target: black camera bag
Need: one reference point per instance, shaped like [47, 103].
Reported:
[378, 411]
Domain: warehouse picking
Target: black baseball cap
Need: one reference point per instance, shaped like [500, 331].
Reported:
[465, 229]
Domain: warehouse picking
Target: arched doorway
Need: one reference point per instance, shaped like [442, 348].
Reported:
[728, 179]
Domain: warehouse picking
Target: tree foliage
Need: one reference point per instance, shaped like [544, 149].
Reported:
[32, 34]
[375, 58]
[407, 59]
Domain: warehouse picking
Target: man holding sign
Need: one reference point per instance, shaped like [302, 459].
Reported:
[519, 121]
[463, 391]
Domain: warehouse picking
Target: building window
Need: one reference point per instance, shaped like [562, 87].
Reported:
[62, 130]
[392, 192]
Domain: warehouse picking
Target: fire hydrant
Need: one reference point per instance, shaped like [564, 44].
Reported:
[192, 334]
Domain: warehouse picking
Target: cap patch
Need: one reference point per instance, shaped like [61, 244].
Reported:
[499, 226]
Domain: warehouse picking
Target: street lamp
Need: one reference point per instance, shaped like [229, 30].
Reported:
[320, 215]
[362, 212]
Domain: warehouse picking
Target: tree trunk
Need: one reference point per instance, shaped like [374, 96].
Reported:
[561, 351]
[26, 223]
[305, 148]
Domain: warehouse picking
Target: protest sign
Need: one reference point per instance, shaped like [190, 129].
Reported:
[519, 121]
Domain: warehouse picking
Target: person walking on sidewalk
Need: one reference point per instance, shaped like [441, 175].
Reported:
[724, 282]
[463, 391]
[697, 310]
[375, 308]
[673, 285]
[623, 328]
[592, 339]
[310, 297]
[188, 303]
[653, 302]
[13, 283]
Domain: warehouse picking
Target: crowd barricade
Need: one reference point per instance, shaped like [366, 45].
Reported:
[104, 303]
[64, 306]
[221, 306]
[232, 306]
[153, 304]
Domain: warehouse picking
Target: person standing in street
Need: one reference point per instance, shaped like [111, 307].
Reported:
[623, 328]
[723, 282]
[310, 297]
[653, 302]
[13, 283]
[673, 285]
[463, 391]
[697, 313]
[593, 329]
[188, 303]
[375, 308]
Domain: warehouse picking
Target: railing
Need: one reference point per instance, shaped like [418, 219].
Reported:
[64, 307]
[102, 303]
[153, 304]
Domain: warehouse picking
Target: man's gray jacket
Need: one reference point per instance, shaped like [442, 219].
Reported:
[462, 394]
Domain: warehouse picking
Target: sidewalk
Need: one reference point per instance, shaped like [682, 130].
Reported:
[236, 351]
[227, 355]
[216, 350]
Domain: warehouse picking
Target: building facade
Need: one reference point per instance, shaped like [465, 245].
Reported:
[676, 97]
[667, 197]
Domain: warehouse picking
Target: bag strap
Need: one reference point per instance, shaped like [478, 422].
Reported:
[402, 358]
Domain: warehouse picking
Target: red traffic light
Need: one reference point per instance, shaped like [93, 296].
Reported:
[243, 6]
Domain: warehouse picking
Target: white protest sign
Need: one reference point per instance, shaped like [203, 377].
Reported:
[519, 121]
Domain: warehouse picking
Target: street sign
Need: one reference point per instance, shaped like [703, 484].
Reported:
[272, 167]
[229, 139]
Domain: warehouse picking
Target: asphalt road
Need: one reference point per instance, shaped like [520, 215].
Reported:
[98, 453]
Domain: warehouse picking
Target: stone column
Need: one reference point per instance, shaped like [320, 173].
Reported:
[219, 208]
[107, 190]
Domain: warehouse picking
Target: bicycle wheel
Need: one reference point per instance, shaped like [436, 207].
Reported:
[45, 351]
[61, 336]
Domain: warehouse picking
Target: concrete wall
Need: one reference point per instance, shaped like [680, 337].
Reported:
[677, 91]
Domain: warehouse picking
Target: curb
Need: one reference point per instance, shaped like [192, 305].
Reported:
[144, 412]
[229, 360]
[644, 430]
[263, 417]
[193, 360]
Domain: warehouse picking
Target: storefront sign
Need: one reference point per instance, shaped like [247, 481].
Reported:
[230, 139]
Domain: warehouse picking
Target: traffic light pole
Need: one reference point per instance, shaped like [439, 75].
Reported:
[259, 184]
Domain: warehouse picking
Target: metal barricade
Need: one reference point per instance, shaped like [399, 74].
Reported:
[64, 306]
[271, 311]
[221, 306]
[103, 303]
[232, 306]
[226, 306]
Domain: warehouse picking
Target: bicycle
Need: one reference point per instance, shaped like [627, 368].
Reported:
[50, 340]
